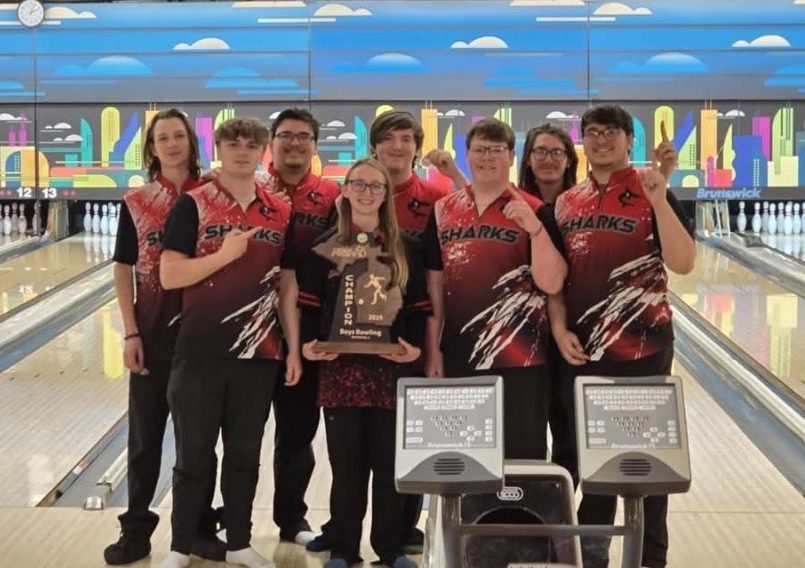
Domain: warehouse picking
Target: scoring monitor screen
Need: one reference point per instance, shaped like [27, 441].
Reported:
[459, 417]
[631, 417]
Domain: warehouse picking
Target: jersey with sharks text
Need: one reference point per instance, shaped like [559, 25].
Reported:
[495, 316]
[233, 312]
[616, 292]
[141, 228]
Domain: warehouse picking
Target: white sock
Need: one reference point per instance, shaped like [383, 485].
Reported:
[248, 557]
[304, 537]
[175, 560]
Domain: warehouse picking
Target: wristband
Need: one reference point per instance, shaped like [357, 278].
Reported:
[131, 336]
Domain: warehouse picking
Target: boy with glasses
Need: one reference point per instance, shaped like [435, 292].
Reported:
[621, 228]
[490, 265]
[294, 134]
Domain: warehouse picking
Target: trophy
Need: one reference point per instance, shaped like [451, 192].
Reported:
[367, 304]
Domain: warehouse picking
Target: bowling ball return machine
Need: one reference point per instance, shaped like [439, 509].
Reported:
[485, 511]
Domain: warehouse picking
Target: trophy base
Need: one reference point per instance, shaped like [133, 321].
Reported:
[356, 348]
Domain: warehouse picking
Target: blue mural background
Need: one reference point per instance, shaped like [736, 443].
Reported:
[77, 90]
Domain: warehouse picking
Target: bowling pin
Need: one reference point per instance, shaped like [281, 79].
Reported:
[87, 217]
[780, 217]
[6, 221]
[22, 222]
[112, 219]
[772, 220]
[788, 244]
[741, 217]
[797, 222]
[96, 219]
[788, 221]
[36, 220]
[14, 217]
[765, 228]
[104, 219]
[757, 222]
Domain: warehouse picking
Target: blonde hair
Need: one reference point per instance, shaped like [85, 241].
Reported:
[388, 224]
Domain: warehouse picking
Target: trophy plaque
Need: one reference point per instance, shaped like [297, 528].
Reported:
[366, 305]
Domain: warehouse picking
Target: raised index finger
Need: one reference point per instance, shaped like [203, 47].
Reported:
[514, 193]
[663, 131]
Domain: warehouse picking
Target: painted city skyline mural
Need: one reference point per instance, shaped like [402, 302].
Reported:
[90, 151]
[78, 90]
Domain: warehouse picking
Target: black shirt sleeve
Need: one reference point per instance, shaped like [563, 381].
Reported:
[126, 244]
[546, 216]
[431, 248]
[680, 213]
[181, 230]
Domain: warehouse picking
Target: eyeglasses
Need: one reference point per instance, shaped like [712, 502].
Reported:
[303, 137]
[606, 134]
[491, 150]
[542, 152]
[359, 186]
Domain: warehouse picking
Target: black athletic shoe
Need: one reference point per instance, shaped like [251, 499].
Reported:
[319, 544]
[128, 549]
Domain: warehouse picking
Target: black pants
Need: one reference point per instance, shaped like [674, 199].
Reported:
[525, 410]
[233, 397]
[297, 419]
[148, 415]
[563, 441]
[360, 441]
[600, 509]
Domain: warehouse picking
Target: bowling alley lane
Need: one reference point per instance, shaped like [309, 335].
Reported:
[759, 316]
[57, 403]
[25, 277]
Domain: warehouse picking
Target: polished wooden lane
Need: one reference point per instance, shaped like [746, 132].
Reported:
[25, 277]
[739, 513]
[57, 403]
[758, 315]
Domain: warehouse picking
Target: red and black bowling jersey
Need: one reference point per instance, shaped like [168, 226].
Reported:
[413, 201]
[616, 291]
[495, 316]
[141, 228]
[234, 311]
[311, 207]
[360, 380]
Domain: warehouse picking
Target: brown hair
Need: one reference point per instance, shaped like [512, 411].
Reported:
[388, 223]
[392, 120]
[526, 180]
[493, 130]
[238, 127]
[150, 160]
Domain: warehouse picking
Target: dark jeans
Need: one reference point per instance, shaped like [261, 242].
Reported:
[600, 509]
[360, 441]
[297, 419]
[233, 397]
